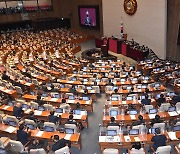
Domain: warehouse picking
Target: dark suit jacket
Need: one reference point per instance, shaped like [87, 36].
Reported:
[60, 144]
[22, 136]
[53, 119]
[72, 122]
[112, 124]
[17, 111]
[5, 77]
[160, 101]
[156, 121]
[146, 102]
[159, 140]
[139, 122]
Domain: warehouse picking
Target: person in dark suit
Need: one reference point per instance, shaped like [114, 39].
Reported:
[22, 135]
[146, 101]
[112, 122]
[71, 120]
[140, 121]
[5, 76]
[53, 118]
[37, 144]
[157, 119]
[136, 145]
[158, 140]
[31, 117]
[161, 100]
[17, 111]
[39, 101]
[60, 143]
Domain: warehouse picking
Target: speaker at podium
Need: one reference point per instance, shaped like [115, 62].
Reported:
[104, 49]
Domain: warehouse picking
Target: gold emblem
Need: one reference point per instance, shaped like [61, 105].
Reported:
[130, 6]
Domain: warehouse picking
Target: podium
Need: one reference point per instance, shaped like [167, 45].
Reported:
[104, 49]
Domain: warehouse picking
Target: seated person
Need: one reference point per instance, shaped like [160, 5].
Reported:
[161, 100]
[23, 135]
[37, 144]
[39, 101]
[60, 143]
[146, 101]
[157, 119]
[136, 145]
[175, 99]
[158, 140]
[5, 76]
[139, 122]
[31, 116]
[112, 122]
[17, 111]
[78, 106]
[53, 118]
[71, 120]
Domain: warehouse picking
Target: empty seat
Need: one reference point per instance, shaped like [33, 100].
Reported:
[49, 127]
[110, 151]
[71, 126]
[64, 150]
[164, 107]
[15, 146]
[163, 150]
[148, 107]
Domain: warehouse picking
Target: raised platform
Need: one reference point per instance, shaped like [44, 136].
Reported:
[96, 54]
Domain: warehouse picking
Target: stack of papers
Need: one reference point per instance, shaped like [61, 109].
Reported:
[123, 102]
[172, 135]
[133, 117]
[39, 134]
[102, 138]
[36, 112]
[10, 129]
[77, 116]
[6, 107]
[127, 138]
[174, 113]
[71, 101]
[27, 111]
[152, 116]
[67, 137]
[112, 139]
[54, 99]
[137, 139]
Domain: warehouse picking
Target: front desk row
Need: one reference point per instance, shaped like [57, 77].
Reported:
[114, 137]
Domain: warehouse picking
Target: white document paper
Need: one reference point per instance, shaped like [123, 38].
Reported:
[27, 111]
[77, 116]
[137, 139]
[68, 136]
[39, 134]
[133, 117]
[102, 138]
[172, 135]
[174, 113]
[6, 107]
[54, 99]
[127, 138]
[152, 116]
[112, 139]
[57, 114]
[10, 129]
[71, 101]
[70, 81]
[123, 102]
[36, 112]
[87, 102]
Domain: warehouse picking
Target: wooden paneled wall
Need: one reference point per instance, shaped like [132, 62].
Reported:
[173, 20]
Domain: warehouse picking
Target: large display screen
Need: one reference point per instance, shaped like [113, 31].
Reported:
[89, 16]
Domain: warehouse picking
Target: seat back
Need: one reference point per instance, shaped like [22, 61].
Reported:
[164, 107]
[116, 128]
[64, 150]
[96, 88]
[71, 126]
[140, 127]
[48, 125]
[37, 151]
[109, 88]
[30, 123]
[15, 146]
[159, 125]
[163, 150]
[136, 151]
[34, 105]
[12, 119]
[148, 107]
[110, 151]
[48, 107]
[113, 109]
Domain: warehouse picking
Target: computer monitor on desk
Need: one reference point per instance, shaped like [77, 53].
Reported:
[134, 132]
[111, 133]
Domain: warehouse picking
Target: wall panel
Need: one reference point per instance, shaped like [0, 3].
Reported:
[173, 50]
